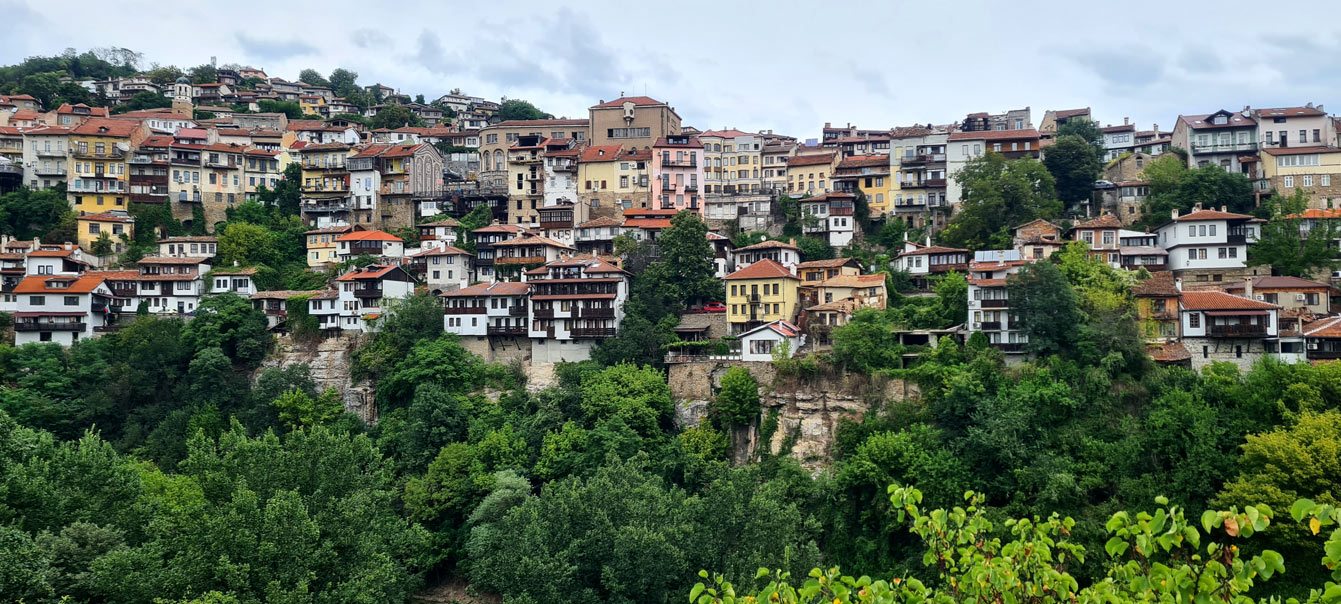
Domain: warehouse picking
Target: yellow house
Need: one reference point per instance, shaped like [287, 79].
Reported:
[610, 179]
[325, 184]
[321, 247]
[762, 292]
[115, 223]
[98, 170]
[313, 104]
[811, 173]
[1314, 170]
[263, 170]
[870, 175]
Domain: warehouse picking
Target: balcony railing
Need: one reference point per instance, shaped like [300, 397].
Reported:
[49, 326]
[505, 330]
[1224, 148]
[368, 292]
[325, 188]
[317, 165]
[1009, 346]
[934, 182]
[316, 208]
[991, 325]
[86, 154]
[519, 260]
[465, 310]
[679, 163]
[542, 313]
[517, 310]
[593, 332]
[596, 313]
[51, 152]
[40, 171]
[995, 303]
[1241, 330]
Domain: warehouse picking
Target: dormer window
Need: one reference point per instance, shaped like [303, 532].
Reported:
[1220, 119]
[58, 284]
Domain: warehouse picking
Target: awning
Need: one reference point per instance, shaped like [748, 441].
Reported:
[29, 315]
[1237, 313]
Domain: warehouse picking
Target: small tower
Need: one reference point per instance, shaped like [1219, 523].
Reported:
[181, 97]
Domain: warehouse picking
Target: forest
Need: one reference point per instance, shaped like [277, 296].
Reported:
[166, 463]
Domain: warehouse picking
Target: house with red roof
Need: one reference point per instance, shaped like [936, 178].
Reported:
[575, 302]
[61, 308]
[1219, 326]
[678, 170]
[363, 294]
[989, 300]
[925, 263]
[761, 343]
[378, 244]
[762, 292]
[1228, 139]
[1209, 245]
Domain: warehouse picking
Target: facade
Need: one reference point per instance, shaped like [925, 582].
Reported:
[378, 244]
[240, 281]
[925, 264]
[1036, 239]
[782, 252]
[677, 172]
[612, 179]
[1316, 171]
[485, 240]
[632, 122]
[171, 285]
[1208, 245]
[496, 139]
[443, 269]
[189, 246]
[1222, 139]
[966, 145]
[1101, 236]
[1293, 295]
[763, 292]
[811, 174]
[1217, 326]
[325, 185]
[321, 246]
[869, 175]
[60, 308]
[496, 311]
[114, 223]
[1157, 307]
[597, 236]
[761, 343]
[363, 294]
[575, 303]
[989, 302]
[99, 150]
[46, 156]
[829, 216]
[560, 172]
[731, 162]
[918, 157]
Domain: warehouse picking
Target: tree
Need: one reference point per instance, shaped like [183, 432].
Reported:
[814, 248]
[1046, 307]
[230, 323]
[344, 82]
[1075, 165]
[867, 343]
[998, 194]
[639, 397]
[165, 75]
[395, 116]
[440, 361]
[143, 100]
[687, 256]
[1288, 247]
[517, 109]
[292, 110]
[1087, 130]
[738, 400]
[204, 74]
[297, 410]
[246, 244]
[313, 77]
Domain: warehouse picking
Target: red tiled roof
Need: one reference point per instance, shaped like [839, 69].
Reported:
[99, 126]
[502, 288]
[864, 161]
[169, 260]
[923, 250]
[1160, 283]
[1107, 221]
[1168, 352]
[781, 327]
[1212, 215]
[1300, 150]
[1316, 213]
[1236, 120]
[665, 142]
[763, 269]
[636, 100]
[1290, 112]
[56, 130]
[499, 228]
[1278, 282]
[1329, 327]
[531, 240]
[728, 133]
[870, 280]
[604, 221]
[106, 217]
[372, 271]
[597, 153]
[1213, 300]
[93, 111]
[768, 245]
[332, 229]
[831, 263]
[373, 235]
[61, 253]
[996, 135]
[38, 284]
[446, 250]
[1069, 113]
[520, 123]
[814, 159]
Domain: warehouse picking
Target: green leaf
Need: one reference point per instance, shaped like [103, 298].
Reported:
[1301, 508]
[1162, 500]
[1115, 547]
[1208, 519]
[694, 593]
[761, 573]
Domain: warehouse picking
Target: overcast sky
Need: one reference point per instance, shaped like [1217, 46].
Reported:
[786, 66]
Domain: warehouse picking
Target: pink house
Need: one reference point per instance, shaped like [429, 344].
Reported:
[677, 171]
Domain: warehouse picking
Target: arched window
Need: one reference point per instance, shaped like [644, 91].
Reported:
[488, 161]
[498, 159]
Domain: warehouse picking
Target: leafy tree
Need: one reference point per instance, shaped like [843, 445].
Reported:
[246, 244]
[204, 74]
[998, 194]
[814, 248]
[228, 322]
[289, 108]
[164, 75]
[102, 246]
[442, 362]
[147, 99]
[313, 77]
[1087, 130]
[298, 410]
[1075, 165]
[639, 397]
[738, 400]
[395, 116]
[517, 109]
[867, 342]
[1290, 249]
[344, 82]
[1046, 306]
[26, 213]
[687, 258]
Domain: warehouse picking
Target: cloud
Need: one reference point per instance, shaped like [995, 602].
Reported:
[429, 52]
[1129, 67]
[1200, 61]
[20, 20]
[368, 38]
[273, 50]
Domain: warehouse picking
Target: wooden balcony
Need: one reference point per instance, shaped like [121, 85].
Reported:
[542, 313]
[45, 326]
[596, 313]
[509, 330]
[517, 310]
[1241, 330]
[368, 292]
[520, 260]
[991, 325]
[1009, 346]
[593, 332]
[995, 303]
[465, 310]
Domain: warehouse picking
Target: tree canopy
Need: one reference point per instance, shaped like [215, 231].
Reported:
[1000, 193]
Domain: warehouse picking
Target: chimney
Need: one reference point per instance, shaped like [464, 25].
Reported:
[1156, 128]
[1196, 207]
[1248, 288]
[1175, 213]
[1309, 105]
[1178, 284]
[928, 240]
[1126, 120]
[1224, 208]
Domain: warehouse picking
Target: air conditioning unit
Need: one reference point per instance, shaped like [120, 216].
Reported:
[977, 325]
[1259, 298]
[1312, 345]
[1299, 297]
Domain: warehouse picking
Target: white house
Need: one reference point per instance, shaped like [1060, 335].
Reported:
[378, 244]
[189, 246]
[325, 306]
[783, 252]
[363, 293]
[988, 302]
[63, 259]
[487, 309]
[171, 285]
[575, 303]
[1217, 326]
[924, 262]
[445, 268]
[758, 344]
[238, 281]
[60, 308]
[1208, 245]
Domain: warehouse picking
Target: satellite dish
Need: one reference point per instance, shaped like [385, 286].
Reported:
[123, 146]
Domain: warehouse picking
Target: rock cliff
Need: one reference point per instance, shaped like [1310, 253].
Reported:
[329, 360]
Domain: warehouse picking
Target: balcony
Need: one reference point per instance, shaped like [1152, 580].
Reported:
[505, 330]
[520, 260]
[183, 198]
[1236, 238]
[668, 187]
[1224, 148]
[679, 163]
[86, 154]
[316, 165]
[319, 208]
[935, 182]
[913, 185]
[220, 164]
[465, 310]
[148, 197]
[517, 310]
[50, 152]
[49, 326]
[596, 313]
[49, 171]
[140, 160]
[193, 162]
[325, 188]
[1324, 355]
[368, 292]
[593, 332]
[1008, 346]
[543, 313]
[995, 303]
[1241, 330]
[691, 188]
[991, 325]
[556, 224]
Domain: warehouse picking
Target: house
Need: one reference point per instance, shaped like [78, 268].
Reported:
[171, 285]
[149, 170]
[1224, 138]
[275, 304]
[60, 259]
[115, 224]
[918, 158]
[99, 148]
[775, 337]
[645, 225]
[485, 240]
[379, 244]
[1206, 245]
[723, 254]
[859, 291]
[731, 162]
[527, 251]
[238, 281]
[678, 173]
[1289, 127]
[321, 246]
[60, 308]
[560, 169]
[829, 216]
[1322, 339]
[869, 175]
[1140, 250]
[437, 233]
[967, 145]
[556, 221]
[1217, 326]
[497, 311]
[762, 292]
[814, 271]
[46, 156]
[784, 253]
[1157, 307]
[364, 292]
[443, 269]
[1295, 296]
[325, 184]
[1315, 171]
[925, 264]
[811, 174]
[1056, 118]
[189, 246]
[1037, 239]
[633, 122]
[598, 236]
[575, 303]
[613, 179]
[989, 302]
[1101, 236]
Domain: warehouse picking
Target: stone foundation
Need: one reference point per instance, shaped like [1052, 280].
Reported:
[1241, 352]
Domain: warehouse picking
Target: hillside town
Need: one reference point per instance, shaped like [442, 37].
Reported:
[545, 277]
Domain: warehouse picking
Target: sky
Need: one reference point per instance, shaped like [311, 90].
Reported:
[782, 65]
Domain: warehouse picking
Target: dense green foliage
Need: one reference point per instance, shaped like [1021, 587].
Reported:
[1074, 163]
[1000, 193]
[1175, 187]
[1290, 249]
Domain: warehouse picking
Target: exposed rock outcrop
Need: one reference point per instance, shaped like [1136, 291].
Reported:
[328, 359]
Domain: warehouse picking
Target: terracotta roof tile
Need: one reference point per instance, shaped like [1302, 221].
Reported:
[1214, 300]
[1168, 352]
[39, 284]
[768, 245]
[763, 269]
[1107, 221]
[814, 159]
[994, 135]
[1159, 284]
[373, 235]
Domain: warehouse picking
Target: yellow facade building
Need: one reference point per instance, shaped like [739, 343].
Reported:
[1314, 170]
[98, 171]
[118, 225]
[759, 293]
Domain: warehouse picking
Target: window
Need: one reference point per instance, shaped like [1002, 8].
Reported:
[1287, 182]
[1326, 180]
[1194, 320]
[1308, 180]
[72, 300]
[37, 300]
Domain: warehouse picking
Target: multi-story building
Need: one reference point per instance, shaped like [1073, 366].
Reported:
[262, 170]
[556, 222]
[1012, 119]
[186, 163]
[325, 184]
[965, 146]
[487, 312]
[760, 293]
[99, 149]
[321, 247]
[811, 174]
[1285, 127]
[150, 169]
[1218, 139]
[496, 139]
[869, 175]
[732, 162]
[829, 216]
[989, 303]
[1209, 245]
[1054, 119]
[612, 179]
[526, 251]
[632, 122]
[925, 264]
[73, 115]
[485, 239]
[1101, 235]
[677, 172]
[46, 156]
[782, 252]
[1217, 326]
[526, 180]
[597, 237]
[364, 292]
[1315, 170]
[1295, 296]
[222, 185]
[171, 285]
[443, 269]
[240, 281]
[404, 175]
[1037, 239]
[919, 176]
[575, 303]
[118, 225]
[775, 166]
[1157, 308]
[60, 308]
[561, 156]
[189, 246]
[378, 244]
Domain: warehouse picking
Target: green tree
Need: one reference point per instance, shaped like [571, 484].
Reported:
[291, 109]
[143, 100]
[517, 109]
[230, 323]
[687, 258]
[1087, 130]
[204, 74]
[738, 400]
[1288, 247]
[344, 82]
[246, 244]
[313, 77]
[867, 342]
[395, 116]
[102, 246]
[639, 397]
[1075, 165]
[814, 248]
[998, 194]
[297, 410]
[1046, 307]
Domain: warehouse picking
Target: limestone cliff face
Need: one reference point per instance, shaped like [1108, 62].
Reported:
[329, 360]
[808, 412]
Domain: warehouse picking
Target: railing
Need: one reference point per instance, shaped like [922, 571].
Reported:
[325, 189]
[49, 171]
[220, 164]
[1222, 148]
[556, 224]
[330, 207]
[991, 325]
[509, 330]
[679, 163]
[691, 188]
[314, 165]
[465, 310]
[596, 313]
[685, 357]
[1240, 330]
[52, 153]
[41, 326]
[519, 260]
[593, 332]
[1008, 346]
[85, 154]
[517, 310]
[934, 182]
[194, 162]
[1324, 355]
[1236, 238]
[995, 303]
[367, 292]
[668, 186]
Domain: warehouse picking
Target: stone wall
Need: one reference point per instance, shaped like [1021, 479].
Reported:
[1242, 352]
[495, 349]
[329, 360]
[808, 411]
